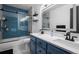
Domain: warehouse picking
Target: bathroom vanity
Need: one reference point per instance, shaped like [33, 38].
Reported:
[47, 44]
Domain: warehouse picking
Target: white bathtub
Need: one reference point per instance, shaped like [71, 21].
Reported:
[12, 39]
[7, 44]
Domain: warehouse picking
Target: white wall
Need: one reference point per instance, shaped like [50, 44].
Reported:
[60, 16]
[36, 25]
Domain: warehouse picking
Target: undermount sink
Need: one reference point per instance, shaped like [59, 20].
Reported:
[67, 43]
[75, 40]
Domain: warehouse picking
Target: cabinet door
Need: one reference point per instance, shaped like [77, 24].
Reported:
[40, 50]
[51, 49]
[41, 43]
[33, 47]
[33, 38]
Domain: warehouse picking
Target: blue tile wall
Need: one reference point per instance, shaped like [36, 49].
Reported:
[12, 23]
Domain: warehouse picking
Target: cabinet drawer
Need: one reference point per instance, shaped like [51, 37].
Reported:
[41, 43]
[51, 49]
[40, 50]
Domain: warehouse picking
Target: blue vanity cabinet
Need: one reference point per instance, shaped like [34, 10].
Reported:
[41, 46]
[40, 50]
[52, 49]
[38, 46]
[33, 45]
[41, 43]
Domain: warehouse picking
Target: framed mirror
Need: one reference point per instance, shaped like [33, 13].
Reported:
[45, 21]
[74, 19]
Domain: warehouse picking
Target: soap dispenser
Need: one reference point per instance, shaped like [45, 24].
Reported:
[52, 33]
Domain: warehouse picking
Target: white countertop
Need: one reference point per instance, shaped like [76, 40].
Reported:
[59, 41]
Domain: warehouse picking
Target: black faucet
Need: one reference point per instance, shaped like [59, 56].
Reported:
[73, 38]
[67, 36]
